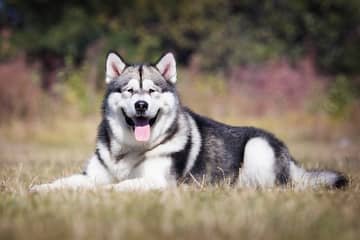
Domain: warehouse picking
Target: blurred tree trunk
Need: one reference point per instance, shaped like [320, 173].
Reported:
[92, 59]
[51, 63]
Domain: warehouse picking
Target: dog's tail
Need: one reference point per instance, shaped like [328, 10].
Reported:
[302, 178]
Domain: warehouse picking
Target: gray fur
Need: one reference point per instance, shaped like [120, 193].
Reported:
[199, 149]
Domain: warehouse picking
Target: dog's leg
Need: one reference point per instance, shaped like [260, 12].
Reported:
[258, 169]
[73, 182]
[153, 173]
[94, 175]
[139, 184]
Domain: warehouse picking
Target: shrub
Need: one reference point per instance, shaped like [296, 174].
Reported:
[340, 96]
[19, 94]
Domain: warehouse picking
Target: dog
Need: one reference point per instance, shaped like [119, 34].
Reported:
[148, 140]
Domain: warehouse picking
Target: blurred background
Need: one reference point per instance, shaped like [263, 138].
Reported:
[292, 67]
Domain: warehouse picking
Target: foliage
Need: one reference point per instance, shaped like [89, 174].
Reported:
[76, 92]
[239, 45]
[340, 96]
[69, 37]
[15, 101]
[223, 36]
[243, 31]
[258, 30]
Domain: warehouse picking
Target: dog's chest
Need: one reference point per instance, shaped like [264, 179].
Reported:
[122, 165]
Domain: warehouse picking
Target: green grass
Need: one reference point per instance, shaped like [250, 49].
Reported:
[184, 213]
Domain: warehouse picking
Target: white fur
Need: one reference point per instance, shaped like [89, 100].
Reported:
[115, 117]
[96, 175]
[154, 168]
[72, 182]
[175, 144]
[167, 67]
[119, 170]
[114, 67]
[153, 173]
[148, 165]
[97, 172]
[138, 184]
[166, 102]
[195, 144]
[302, 179]
[258, 166]
[134, 170]
[149, 84]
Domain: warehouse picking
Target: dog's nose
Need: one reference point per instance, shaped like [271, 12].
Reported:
[141, 106]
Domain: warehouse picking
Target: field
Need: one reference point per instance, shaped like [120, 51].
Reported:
[290, 67]
[36, 153]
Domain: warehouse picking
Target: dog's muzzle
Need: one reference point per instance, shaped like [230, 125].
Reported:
[141, 125]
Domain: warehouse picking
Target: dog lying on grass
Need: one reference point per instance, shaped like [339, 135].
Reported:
[148, 140]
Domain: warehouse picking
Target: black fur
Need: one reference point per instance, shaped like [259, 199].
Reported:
[140, 75]
[104, 133]
[222, 150]
[170, 133]
[178, 159]
[341, 182]
[101, 160]
[221, 154]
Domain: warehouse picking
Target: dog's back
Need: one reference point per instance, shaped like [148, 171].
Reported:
[250, 157]
[147, 140]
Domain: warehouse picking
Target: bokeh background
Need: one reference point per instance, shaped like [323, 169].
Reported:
[291, 67]
[236, 58]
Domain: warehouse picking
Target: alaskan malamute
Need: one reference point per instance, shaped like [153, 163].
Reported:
[148, 140]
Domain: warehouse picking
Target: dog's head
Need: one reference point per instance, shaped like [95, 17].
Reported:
[140, 97]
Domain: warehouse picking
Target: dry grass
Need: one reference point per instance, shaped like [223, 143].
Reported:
[31, 154]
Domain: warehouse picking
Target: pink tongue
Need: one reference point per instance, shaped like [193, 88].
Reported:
[142, 133]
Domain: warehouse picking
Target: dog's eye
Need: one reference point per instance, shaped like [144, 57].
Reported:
[151, 90]
[130, 90]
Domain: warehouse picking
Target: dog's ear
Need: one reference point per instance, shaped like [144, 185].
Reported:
[114, 66]
[167, 67]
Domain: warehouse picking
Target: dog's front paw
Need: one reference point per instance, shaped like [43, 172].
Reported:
[40, 188]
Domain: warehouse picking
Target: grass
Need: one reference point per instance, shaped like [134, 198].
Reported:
[34, 154]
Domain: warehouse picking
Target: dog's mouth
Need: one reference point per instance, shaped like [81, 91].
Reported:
[141, 126]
